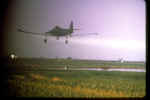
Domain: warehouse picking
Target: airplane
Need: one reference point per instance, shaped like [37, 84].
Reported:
[58, 32]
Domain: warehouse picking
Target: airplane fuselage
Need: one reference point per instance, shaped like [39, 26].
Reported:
[59, 32]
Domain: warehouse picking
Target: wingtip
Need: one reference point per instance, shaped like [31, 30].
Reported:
[96, 33]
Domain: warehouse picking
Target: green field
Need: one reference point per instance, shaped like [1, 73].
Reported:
[47, 63]
[72, 84]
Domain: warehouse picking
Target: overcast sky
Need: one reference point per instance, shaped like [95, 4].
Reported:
[119, 23]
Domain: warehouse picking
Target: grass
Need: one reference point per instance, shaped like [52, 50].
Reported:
[61, 83]
[76, 84]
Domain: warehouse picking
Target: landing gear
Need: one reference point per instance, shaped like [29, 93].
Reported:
[57, 37]
[45, 40]
[66, 41]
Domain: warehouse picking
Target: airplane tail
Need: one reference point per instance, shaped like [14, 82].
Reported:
[71, 27]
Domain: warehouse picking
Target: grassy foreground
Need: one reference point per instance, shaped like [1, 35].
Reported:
[76, 84]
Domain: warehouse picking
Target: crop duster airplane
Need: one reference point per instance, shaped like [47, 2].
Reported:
[58, 32]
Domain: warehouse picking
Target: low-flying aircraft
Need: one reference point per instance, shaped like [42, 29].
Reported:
[58, 32]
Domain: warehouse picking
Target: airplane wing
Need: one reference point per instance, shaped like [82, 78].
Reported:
[85, 34]
[28, 32]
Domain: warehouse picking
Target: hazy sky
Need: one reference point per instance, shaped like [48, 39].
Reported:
[120, 24]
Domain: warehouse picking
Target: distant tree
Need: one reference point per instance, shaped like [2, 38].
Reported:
[56, 57]
[69, 58]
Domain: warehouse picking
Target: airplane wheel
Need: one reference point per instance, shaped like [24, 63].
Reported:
[45, 40]
[66, 41]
